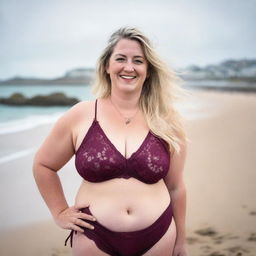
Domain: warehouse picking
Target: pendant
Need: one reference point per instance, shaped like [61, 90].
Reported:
[128, 120]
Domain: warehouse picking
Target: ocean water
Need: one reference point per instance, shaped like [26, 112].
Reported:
[15, 118]
[18, 118]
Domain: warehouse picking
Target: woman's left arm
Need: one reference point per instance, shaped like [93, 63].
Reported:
[176, 187]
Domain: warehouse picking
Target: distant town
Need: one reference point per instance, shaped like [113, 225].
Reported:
[243, 70]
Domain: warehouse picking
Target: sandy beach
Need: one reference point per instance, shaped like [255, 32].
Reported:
[220, 177]
[220, 174]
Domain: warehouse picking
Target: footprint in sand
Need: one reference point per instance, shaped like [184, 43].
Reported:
[192, 240]
[206, 248]
[252, 237]
[216, 254]
[218, 239]
[206, 232]
[236, 250]
[222, 238]
[232, 237]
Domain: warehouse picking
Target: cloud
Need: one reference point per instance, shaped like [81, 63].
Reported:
[45, 38]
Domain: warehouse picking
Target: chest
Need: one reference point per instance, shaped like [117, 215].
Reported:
[100, 159]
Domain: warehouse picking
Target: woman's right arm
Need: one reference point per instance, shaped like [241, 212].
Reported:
[54, 153]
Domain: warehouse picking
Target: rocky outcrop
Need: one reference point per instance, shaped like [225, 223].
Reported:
[54, 99]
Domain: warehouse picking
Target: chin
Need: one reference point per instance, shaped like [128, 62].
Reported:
[129, 88]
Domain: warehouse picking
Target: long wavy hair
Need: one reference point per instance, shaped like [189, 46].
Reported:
[160, 92]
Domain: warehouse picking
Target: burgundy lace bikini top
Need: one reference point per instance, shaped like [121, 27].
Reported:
[97, 159]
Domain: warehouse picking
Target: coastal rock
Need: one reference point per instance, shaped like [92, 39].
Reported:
[54, 99]
[14, 99]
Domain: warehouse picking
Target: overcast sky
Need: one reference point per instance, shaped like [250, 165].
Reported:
[45, 38]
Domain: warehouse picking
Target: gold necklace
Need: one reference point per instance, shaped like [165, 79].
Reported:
[127, 119]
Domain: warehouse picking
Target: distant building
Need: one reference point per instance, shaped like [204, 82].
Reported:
[243, 68]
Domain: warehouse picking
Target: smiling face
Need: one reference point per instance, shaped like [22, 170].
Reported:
[127, 66]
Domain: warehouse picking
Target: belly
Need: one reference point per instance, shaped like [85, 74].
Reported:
[124, 204]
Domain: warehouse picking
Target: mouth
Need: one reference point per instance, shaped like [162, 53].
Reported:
[127, 77]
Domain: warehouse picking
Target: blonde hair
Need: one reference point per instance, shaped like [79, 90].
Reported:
[160, 91]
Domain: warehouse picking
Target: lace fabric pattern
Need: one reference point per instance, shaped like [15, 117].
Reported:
[152, 161]
[97, 159]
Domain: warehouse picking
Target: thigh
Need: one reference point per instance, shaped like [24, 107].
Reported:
[82, 246]
[164, 247]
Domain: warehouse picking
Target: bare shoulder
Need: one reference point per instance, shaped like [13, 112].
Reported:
[77, 114]
[77, 111]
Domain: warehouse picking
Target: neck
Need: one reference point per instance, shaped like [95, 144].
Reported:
[125, 103]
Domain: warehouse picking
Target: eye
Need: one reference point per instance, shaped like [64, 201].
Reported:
[138, 61]
[120, 59]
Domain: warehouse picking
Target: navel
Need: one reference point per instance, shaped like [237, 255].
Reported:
[128, 211]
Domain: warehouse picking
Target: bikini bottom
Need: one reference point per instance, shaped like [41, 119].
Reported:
[134, 243]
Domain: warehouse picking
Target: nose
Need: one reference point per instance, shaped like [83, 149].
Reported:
[128, 67]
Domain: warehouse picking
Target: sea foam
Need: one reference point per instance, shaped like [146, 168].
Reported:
[27, 123]
[16, 155]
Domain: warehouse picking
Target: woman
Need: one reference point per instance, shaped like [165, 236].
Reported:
[130, 149]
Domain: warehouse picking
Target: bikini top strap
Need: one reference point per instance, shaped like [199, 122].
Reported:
[95, 111]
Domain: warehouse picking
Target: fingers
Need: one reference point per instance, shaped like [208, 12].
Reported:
[82, 215]
[72, 218]
[85, 216]
[81, 223]
[75, 228]
[78, 225]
